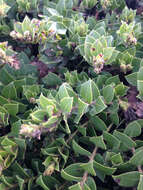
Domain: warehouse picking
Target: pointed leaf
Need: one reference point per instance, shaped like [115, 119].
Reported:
[78, 149]
[66, 104]
[140, 185]
[98, 141]
[82, 109]
[108, 94]
[137, 158]
[133, 129]
[129, 179]
[88, 167]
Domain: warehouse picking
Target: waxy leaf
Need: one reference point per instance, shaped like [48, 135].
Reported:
[98, 106]
[82, 109]
[39, 116]
[12, 108]
[140, 185]
[140, 81]
[129, 179]
[137, 158]
[98, 141]
[66, 104]
[89, 91]
[78, 149]
[75, 187]
[104, 169]
[88, 167]
[127, 141]
[108, 94]
[9, 91]
[112, 141]
[98, 123]
[133, 129]
[117, 159]
[73, 172]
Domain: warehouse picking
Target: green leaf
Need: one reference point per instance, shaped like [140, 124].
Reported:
[91, 183]
[12, 108]
[133, 129]
[132, 78]
[75, 187]
[88, 167]
[7, 180]
[82, 109]
[140, 81]
[104, 169]
[140, 185]
[31, 91]
[17, 169]
[129, 179]
[38, 116]
[63, 6]
[15, 129]
[26, 24]
[20, 182]
[3, 186]
[52, 80]
[78, 149]
[121, 89]
[112, 141]
[99, 106]
[98, 141]
[47, 182]
[30, 183]
[117, 159]
[111, 80]
[18, 85]
[108, 94]
[137, 158]
[66, 104]
[107, 52]
[127, 141]
[66, 90]
[40, 182]
[89, 91]
[52, 120]
[3, 100]
[98, 123]
[45, 102]
[9, 91]
[6, 77]
[73, 172]
[114, 118]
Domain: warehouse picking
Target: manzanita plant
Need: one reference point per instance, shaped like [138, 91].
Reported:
[71, 95]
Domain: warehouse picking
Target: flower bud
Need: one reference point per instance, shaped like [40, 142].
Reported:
[98, 63]
[129, 67]
[131, 40]
[13, 34]
[49, 170]
[124, 105]
[123, 67]
[31, 130]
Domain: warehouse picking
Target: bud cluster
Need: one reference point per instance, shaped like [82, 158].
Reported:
[12, 60]
[98, 63]
[37, 33]
[125, 68]
[31, 130]
[131, 40]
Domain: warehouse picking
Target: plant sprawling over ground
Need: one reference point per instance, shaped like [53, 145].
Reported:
[71, 95]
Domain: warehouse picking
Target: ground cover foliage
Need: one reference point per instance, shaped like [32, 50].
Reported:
[71, 95]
